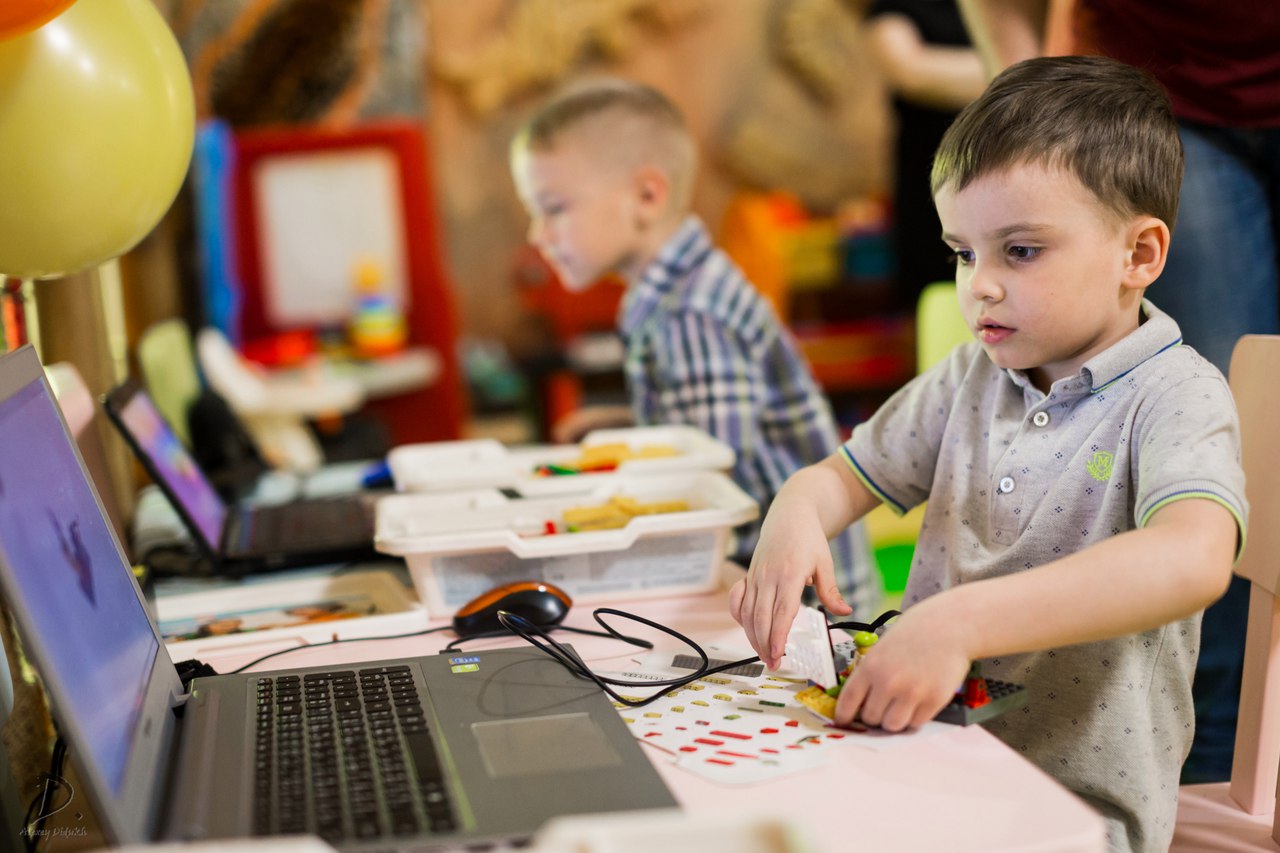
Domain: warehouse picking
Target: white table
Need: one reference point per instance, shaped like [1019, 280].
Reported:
[962, 790]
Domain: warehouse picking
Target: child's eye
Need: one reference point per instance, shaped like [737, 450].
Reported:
[548, 208]
[1023, 253]
[963, 257]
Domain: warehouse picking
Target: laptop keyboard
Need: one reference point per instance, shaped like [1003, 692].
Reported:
[318, 523]
[346, 755]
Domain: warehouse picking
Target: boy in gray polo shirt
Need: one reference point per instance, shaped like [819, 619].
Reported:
[1081, 466]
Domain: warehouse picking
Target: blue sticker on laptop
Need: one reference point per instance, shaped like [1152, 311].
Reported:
[471, 659]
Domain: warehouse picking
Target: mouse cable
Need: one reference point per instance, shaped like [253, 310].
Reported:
[570, 660]
[334, 642]
[42, 806]
[507, 632]
[635, 641]
[873, 626]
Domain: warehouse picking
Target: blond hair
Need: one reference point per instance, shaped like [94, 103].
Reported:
[642, 128]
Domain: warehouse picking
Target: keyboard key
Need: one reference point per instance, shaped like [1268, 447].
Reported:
[332, 757]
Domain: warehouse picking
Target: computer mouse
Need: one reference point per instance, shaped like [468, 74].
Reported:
[541, 603]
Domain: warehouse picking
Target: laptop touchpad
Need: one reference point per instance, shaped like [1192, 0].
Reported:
[538, 745]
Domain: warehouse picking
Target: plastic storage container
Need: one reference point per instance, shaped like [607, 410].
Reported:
[460, 545]
[444, 466]
[300, 610]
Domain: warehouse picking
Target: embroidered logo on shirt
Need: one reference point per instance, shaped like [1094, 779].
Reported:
[1100, 466]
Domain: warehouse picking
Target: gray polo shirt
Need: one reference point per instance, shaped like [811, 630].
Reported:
[1014, 479]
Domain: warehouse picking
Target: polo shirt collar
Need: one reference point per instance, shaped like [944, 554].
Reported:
[684, 251]
[1156, 334]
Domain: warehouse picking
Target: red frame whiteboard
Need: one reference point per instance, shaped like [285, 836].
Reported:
[435, 412]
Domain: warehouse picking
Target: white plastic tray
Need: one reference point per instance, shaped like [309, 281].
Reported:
[460, 545]
[487, 463]
[389, 605]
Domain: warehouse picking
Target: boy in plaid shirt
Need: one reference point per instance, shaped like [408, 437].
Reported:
[606, 171]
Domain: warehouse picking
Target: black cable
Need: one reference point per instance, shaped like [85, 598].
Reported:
[523, 628]
[506, 632]
[335, 641]
[635, 641]
[450, 647]
[872, 627]
[39, 808]
[534, 635]
[570, 660]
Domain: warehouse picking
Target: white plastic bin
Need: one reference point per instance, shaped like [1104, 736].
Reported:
[460, 545]
[266, 612]
[444, 466]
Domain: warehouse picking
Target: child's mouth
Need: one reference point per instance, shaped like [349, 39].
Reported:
[992, 333]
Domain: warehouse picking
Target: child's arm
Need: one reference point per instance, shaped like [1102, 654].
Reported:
[1178, 564]
[815, 503]
[571, 428]
[1005, 31]
[942, 76]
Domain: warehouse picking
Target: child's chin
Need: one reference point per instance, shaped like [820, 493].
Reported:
[1004, 359]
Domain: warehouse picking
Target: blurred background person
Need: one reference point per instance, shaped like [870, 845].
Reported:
[932, 71]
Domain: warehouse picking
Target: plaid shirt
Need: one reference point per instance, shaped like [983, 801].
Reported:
[703, 348]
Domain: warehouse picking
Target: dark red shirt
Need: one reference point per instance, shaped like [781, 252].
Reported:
[1218, 59]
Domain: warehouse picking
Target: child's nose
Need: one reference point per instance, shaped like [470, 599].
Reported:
[538, 234]
[983, 285]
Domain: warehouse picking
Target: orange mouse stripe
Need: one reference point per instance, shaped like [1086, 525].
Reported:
[499, 592]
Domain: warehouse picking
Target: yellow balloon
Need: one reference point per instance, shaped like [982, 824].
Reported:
[97, 119]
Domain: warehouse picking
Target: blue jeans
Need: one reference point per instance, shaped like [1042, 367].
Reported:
[1221, 282]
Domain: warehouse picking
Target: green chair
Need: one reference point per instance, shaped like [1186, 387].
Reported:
[166, 357]
[940, 327]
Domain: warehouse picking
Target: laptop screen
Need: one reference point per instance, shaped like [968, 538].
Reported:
[183, 479]
[68, 572]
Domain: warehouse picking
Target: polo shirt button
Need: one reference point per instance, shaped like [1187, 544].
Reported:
[1040, 419]
[1006, 485]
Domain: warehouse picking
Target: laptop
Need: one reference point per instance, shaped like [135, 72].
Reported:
[229, 456]
[491, 744]
[242, 537]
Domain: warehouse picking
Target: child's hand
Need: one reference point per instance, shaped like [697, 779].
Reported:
[910, 675]
[791, 553]
[571, 428]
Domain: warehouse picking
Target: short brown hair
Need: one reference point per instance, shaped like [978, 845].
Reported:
[1108, 123]
[663, 139]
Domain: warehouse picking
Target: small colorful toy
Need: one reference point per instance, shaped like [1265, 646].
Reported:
[809, 650]
[598, 458]
[616, 513]
[862, 641]
[980, 699]
[822, 700]
[975, 688]
[377, 324]
[817, 699]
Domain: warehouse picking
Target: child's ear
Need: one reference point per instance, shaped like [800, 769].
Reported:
[653, 191]
[1148, 249]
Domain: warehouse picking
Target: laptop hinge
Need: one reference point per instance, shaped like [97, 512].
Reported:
[169, 771]
[233, 532]
[188, 671]
[189, 792]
